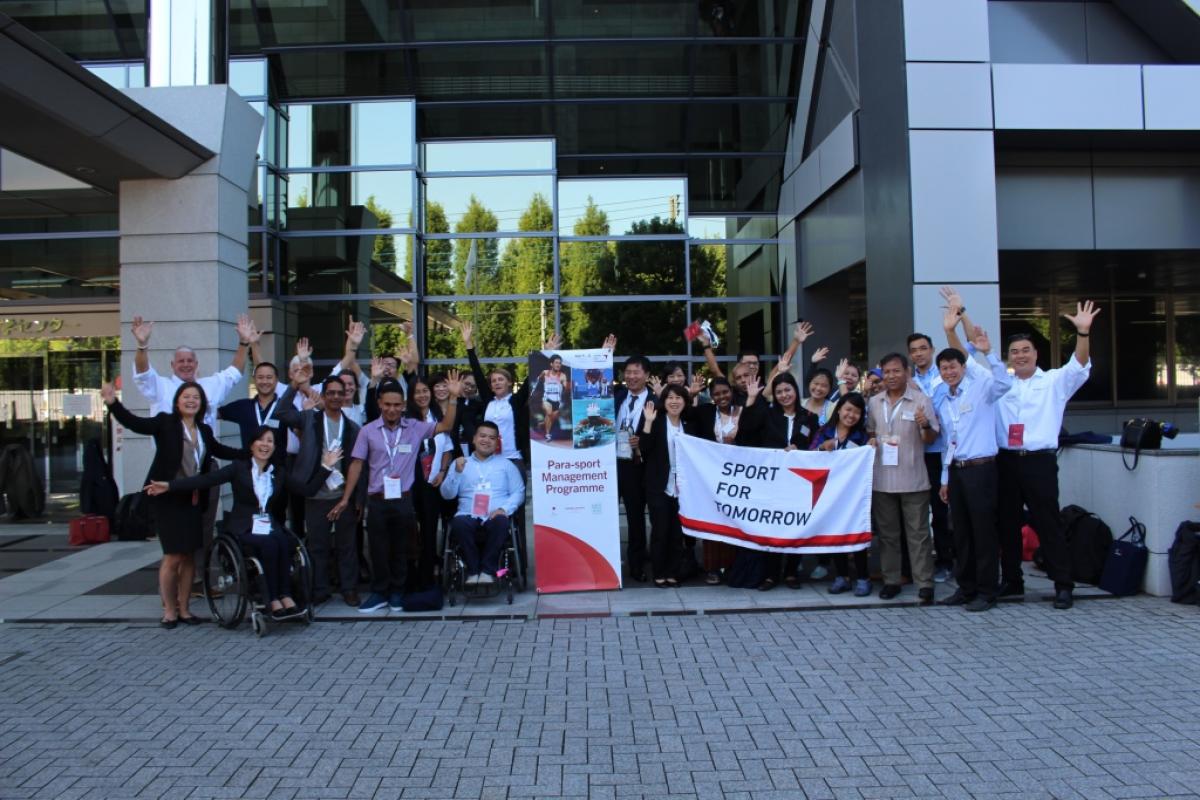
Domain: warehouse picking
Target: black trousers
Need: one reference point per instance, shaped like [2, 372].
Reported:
[973, 493]
[295, 503]
[390, 525]
[841, 565]
[274, 552]
[1031, 480]
[943, 540]
[494, 532]
[631, 485]
[326, 538]
[431, 509]
[666, 536]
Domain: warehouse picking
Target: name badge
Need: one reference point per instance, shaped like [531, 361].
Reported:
[804, 430]
[261, 525]
[891, 452]
[272, 423]
[908, 416]
[392, 490]
[624, 450]
[1016, 435]
[481, 501]
[404, 448]
[965, 408]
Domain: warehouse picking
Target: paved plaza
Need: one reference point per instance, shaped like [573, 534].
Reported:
[1023, 701]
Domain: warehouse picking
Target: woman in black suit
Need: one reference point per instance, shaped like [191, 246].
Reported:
[183, 446]
[257, 524]
[784, 424]
[717, 422]
[659, 435]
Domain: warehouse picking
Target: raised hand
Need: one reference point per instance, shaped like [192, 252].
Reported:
[1085, 314]
[454, 382]
[468, 335]
[141, 331]
[649, 413]
[802, 332]
[377, 368]
[821, 354]
[332, 457]
[981, 341]
[655, 383]
[754, 388]
[155, 488]
[610, 343]
[840, 372]
[698, 384]
[703, 339]
[245, 328]
[355, 334]
[554, 342]
[303, 349]
[460, 463]
[406, 327]
[952, 298]
[108, 393]
[920, 417]
[950, 317]
[312, 400]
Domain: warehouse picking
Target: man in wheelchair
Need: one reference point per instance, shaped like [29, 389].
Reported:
[489, 489]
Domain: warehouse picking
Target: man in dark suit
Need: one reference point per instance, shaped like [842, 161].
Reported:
[629, 400]
[322, 432]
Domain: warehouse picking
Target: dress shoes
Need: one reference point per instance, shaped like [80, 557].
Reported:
[1063, 599]
[980, 603]
[1011, 589]
[889, 591]
[956, 599]
[925, 596]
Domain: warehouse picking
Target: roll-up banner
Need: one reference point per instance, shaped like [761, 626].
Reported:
[573, 471]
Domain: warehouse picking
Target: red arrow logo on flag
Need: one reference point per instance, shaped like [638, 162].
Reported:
[817, 477]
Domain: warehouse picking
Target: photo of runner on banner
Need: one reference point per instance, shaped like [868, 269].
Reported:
[776, 500]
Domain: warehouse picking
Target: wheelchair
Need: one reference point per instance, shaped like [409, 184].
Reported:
[234, 585]
[510, 578]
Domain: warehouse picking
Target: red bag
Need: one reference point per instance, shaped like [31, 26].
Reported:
[89, 529]
[1029, 543]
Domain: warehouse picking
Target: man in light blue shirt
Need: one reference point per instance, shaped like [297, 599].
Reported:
[969, 472]
[925, 374]
[489, 489]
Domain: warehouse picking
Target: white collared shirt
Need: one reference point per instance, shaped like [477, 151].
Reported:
[263, 484]
[968, 415]
[500, 411]
[1038, 403]
[160, 391]
[627, 415]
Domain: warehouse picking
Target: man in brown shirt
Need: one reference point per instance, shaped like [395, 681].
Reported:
[901, 421]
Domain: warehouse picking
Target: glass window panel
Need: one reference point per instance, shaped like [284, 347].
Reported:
[1099, 386]
[351, 134]
[740, 326]
[505, 120]
[480, 156]
[59, 268]
[467, 73]
[732, 227]
[715, 184]
[349, 200]
[620, 70]
[248, 77]
[255, 197]
[470, 20]
[342, 73]
[736, 127]
[620, 128]
[1026, 314]
[592, 269]
[347, 264]
[1141, 341]
[739, 70]
[649, 328]
[104, 220]
[325, 323]
[633, 18]
[479, 205]
[621, 206]
[291, 22]
[86, 30]
[489, 266]
[116, 75]
[254, 263]
[1187, 347]
[508, 329]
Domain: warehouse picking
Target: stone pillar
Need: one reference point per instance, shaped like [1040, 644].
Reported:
[183, 247]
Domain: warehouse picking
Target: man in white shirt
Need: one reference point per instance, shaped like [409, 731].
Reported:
[160, 391]
[968, 478]
[1028, 420]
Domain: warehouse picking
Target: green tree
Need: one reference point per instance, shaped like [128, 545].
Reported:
[476, 267]
[384, 252]
[527, 267]
[586, 270]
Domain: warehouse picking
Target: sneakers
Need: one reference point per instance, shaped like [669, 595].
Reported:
[396, 602]
[483, 579]
[981, 603]
[374, 602]
[839, 585]
[941, 575]
[862, 587]
[471, 580]
[818, 572]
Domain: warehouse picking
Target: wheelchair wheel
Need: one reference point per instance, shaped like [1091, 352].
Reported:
[449, 574]
[258, 621]
[515, 564]
[225, 582]
[302, 582]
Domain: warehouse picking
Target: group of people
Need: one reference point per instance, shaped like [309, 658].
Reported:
[371, 467]
[965, 454]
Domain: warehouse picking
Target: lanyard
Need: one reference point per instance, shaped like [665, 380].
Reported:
[196, 452]
[330, 443]
[889, 411]
[392, 447]
[263, 417]
[484, 475]
[630, 417]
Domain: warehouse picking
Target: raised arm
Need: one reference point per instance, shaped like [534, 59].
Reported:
[710, 358]
[995, 377]
[1085, 314]
[147, 426]
[454, 383]
[481, 382]
[802, 331]
[245, 331]
[203, 480]
[220, 450]
[141, 334]
[354, 337]
[286, 411]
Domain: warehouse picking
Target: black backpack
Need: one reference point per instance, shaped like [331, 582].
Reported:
[1183, 562]
[1088, 543]
[132, 518]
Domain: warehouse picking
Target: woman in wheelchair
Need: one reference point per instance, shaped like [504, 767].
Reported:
[254, 482]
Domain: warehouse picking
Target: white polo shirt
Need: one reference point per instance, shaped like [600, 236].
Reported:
[1038, 403]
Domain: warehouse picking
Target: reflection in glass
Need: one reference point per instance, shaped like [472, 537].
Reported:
[619, 267]
[503, 328]
[458, 20]
[482, 156]
[743, 327]
[59, 268]
[248, 77]
[462, 73]
[650, 328]
[624, 202]
[480, 205]
[489, 266]
[1141, 339]
[347, 264]
[351, 134]
[717, 228]
[325, 323]
[1024, 314]
[1187, 348]
[618, 70]
[709, 274]
[347, 200]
